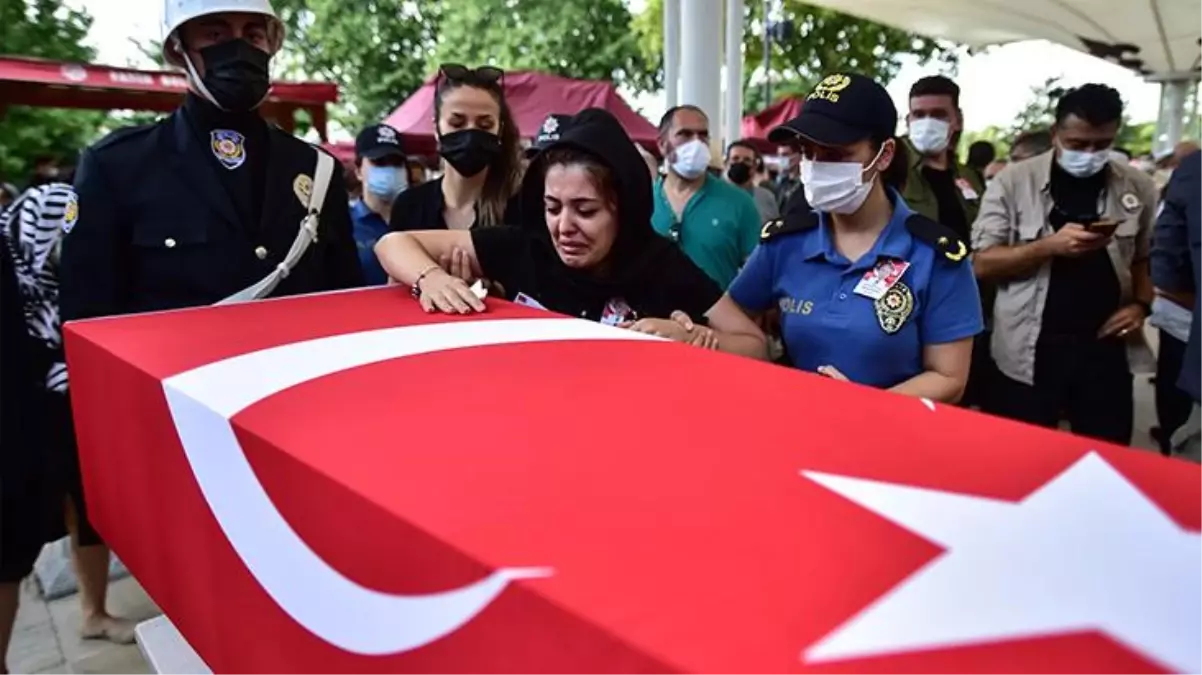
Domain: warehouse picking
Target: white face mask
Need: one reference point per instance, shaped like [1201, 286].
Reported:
[836, 187]
[692, 159]
[1083, 164]
[929, 135]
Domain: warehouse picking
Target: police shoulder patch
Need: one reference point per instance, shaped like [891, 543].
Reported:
[793, 222]
[938, 236]
[70, 212]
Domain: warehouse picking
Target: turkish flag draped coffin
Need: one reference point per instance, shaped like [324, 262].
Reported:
[344, 483]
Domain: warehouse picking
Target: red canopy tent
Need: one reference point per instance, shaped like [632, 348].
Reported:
[756, 127]
[531, 96]
[56, 84]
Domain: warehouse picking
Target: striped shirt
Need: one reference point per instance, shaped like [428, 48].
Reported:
[34, 225]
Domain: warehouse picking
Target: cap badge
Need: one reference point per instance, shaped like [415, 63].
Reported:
[386, 135]
[830, 86]
[229, 147]
[550, 126]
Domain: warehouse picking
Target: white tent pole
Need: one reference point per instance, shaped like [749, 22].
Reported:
[672, 51]
[734, 71]
[1169, 123]
[701, 58]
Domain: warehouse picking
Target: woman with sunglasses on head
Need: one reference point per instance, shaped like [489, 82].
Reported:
[479, 144]
[593, 254]
[868, 290]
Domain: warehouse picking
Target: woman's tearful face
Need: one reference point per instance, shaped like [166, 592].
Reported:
[582, 223]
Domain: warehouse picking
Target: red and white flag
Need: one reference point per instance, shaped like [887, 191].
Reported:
[344, 483]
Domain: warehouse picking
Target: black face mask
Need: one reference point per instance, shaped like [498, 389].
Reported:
[470, 151]
[739, 173]
[236, 74]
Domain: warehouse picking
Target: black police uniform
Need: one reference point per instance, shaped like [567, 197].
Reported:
[170, 216]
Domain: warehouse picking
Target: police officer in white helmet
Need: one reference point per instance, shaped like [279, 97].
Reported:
[210, 205]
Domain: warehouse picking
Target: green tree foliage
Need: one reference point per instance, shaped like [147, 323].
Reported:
[377, 51]
[823, 41]
[1040, 111]
[998, 136]
[586, 39]
[51, 30]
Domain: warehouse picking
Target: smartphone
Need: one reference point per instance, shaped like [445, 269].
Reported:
[1102, 227]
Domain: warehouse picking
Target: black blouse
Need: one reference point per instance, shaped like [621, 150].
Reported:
[422, 207]
[526, 265]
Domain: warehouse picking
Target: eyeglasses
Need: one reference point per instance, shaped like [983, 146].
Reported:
[487, 77]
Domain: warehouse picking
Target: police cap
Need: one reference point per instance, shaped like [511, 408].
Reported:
[379, 141]
[548, 133]
[843, 109]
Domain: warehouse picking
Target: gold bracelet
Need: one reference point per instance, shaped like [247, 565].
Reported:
[415, 289]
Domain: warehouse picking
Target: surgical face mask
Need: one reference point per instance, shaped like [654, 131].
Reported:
[836, 187]
[692, 159]
[930, 136]
[385, 182]
[237, 75]
[1083, 164]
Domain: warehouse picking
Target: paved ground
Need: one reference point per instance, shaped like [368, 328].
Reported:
[46, 638]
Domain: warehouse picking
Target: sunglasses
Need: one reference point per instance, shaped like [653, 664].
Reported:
[484, 76]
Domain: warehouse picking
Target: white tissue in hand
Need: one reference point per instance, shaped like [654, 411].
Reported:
[478, 289]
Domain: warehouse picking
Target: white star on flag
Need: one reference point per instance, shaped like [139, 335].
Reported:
[1086, 551]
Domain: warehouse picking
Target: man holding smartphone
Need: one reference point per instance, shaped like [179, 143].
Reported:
[1066, 237]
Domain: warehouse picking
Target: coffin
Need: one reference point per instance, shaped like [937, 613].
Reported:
[342, 482]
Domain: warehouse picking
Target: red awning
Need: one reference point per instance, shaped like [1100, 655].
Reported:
[756, 127]
[56, 84]
[531, 96]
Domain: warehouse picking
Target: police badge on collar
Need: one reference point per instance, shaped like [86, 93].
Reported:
[894, 307]
[229, 147]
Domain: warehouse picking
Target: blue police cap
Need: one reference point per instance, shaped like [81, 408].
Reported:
[844, 108]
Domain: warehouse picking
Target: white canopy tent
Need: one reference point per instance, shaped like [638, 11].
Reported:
[1160, 39]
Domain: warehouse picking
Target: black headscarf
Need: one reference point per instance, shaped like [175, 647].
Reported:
[638, 251]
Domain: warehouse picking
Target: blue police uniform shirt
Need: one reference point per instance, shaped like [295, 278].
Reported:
[825, 322]
[368, 227]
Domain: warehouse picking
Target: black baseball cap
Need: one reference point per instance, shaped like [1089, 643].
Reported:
[844, 108]
[548, 133]
[377, 141]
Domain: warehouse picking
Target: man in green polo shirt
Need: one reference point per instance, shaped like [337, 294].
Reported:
[715, 223]
[937, 185]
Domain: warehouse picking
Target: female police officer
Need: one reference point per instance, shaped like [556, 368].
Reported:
[868, 290]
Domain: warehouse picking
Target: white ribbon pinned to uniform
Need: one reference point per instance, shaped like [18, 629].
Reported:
[305, 236]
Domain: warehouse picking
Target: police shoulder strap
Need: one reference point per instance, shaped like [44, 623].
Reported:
[305, 236]
[938, 236]
[796, 220]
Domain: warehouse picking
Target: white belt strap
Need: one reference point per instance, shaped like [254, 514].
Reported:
[305, 236]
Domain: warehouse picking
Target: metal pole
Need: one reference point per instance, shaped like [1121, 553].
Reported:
[767, 56]
[671, 20]
[734, 71]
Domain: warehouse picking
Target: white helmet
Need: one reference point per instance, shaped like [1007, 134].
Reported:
[178, 12]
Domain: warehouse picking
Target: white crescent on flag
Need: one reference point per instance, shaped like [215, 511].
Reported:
[361, 620]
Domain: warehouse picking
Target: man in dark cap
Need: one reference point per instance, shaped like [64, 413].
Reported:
[380, 167]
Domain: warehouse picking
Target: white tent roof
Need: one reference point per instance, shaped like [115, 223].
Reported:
[1158, 38]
